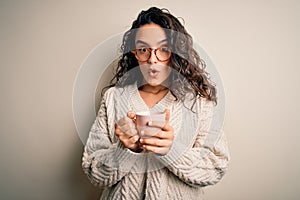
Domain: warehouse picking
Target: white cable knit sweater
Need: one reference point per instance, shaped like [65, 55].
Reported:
[198, 156]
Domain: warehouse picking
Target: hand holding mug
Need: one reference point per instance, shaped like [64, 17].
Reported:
[126, 130]
[163, 140]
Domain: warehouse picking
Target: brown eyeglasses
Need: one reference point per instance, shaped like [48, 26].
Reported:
[143, 54]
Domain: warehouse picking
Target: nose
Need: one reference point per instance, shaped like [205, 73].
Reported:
[153, 58]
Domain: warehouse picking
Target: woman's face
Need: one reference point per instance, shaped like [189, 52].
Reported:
[155, 72]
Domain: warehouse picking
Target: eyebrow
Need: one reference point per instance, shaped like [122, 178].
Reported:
[142, 42]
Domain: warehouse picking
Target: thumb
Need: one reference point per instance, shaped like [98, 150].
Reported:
[167, 111]
[167, 118]
[131, 114]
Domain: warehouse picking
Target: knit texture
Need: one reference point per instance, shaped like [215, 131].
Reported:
[198, 157]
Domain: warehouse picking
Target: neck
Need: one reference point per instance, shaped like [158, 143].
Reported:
[153, 89]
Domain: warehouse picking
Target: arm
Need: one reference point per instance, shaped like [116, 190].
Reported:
[207, 161]
[104, 161]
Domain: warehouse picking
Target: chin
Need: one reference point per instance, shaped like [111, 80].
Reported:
[155, 81]
[152, 83]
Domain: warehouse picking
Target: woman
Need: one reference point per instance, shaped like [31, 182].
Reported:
[158, 70]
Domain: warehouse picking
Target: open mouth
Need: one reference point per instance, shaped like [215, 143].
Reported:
[153, 72]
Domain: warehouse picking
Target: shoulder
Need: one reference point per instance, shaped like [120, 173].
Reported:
[205, 103]
[116, 94]
[117, 90]
[205, 107]
[108, 94]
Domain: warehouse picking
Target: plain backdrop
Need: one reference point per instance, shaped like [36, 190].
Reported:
[254, 44]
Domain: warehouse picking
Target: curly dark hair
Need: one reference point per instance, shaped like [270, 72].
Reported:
[184, 58]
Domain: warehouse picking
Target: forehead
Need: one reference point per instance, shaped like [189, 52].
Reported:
[151, 34]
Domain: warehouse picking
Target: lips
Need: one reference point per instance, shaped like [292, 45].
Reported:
[153, 72]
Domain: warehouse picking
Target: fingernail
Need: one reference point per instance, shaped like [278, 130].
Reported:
[141, 140]
[149, 123]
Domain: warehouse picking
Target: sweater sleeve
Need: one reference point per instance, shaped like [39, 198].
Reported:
[104, 160]
[207, 161]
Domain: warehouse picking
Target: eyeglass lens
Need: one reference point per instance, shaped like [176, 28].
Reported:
[162, 54]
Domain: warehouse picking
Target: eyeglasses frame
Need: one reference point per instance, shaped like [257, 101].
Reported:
[149, 49]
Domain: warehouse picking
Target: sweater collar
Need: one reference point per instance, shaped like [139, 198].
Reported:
[138, 104]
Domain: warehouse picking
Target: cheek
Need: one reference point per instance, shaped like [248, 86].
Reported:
[144, 70]
[167, 71]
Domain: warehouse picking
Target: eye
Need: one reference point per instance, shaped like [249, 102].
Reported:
[142, 50]
[165, 49]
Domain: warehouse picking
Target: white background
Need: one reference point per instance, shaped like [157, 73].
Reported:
[254, 44]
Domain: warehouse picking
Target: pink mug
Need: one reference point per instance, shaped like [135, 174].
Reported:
[142, 120]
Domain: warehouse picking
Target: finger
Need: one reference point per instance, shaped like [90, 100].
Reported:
[131, 114]
[167, 127]
[157, 150]
[127, 127]
[146, 133]
[128, 142]
[165, 136]
[167, 118]
[131, 132]
[118, 131]
[158, 124]
[122, 121]
[152, 141]
[149, 132]
[130, 145]
[134, 139]
[130, 129]
[123, 139]
[167, 111]
[169, 135]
